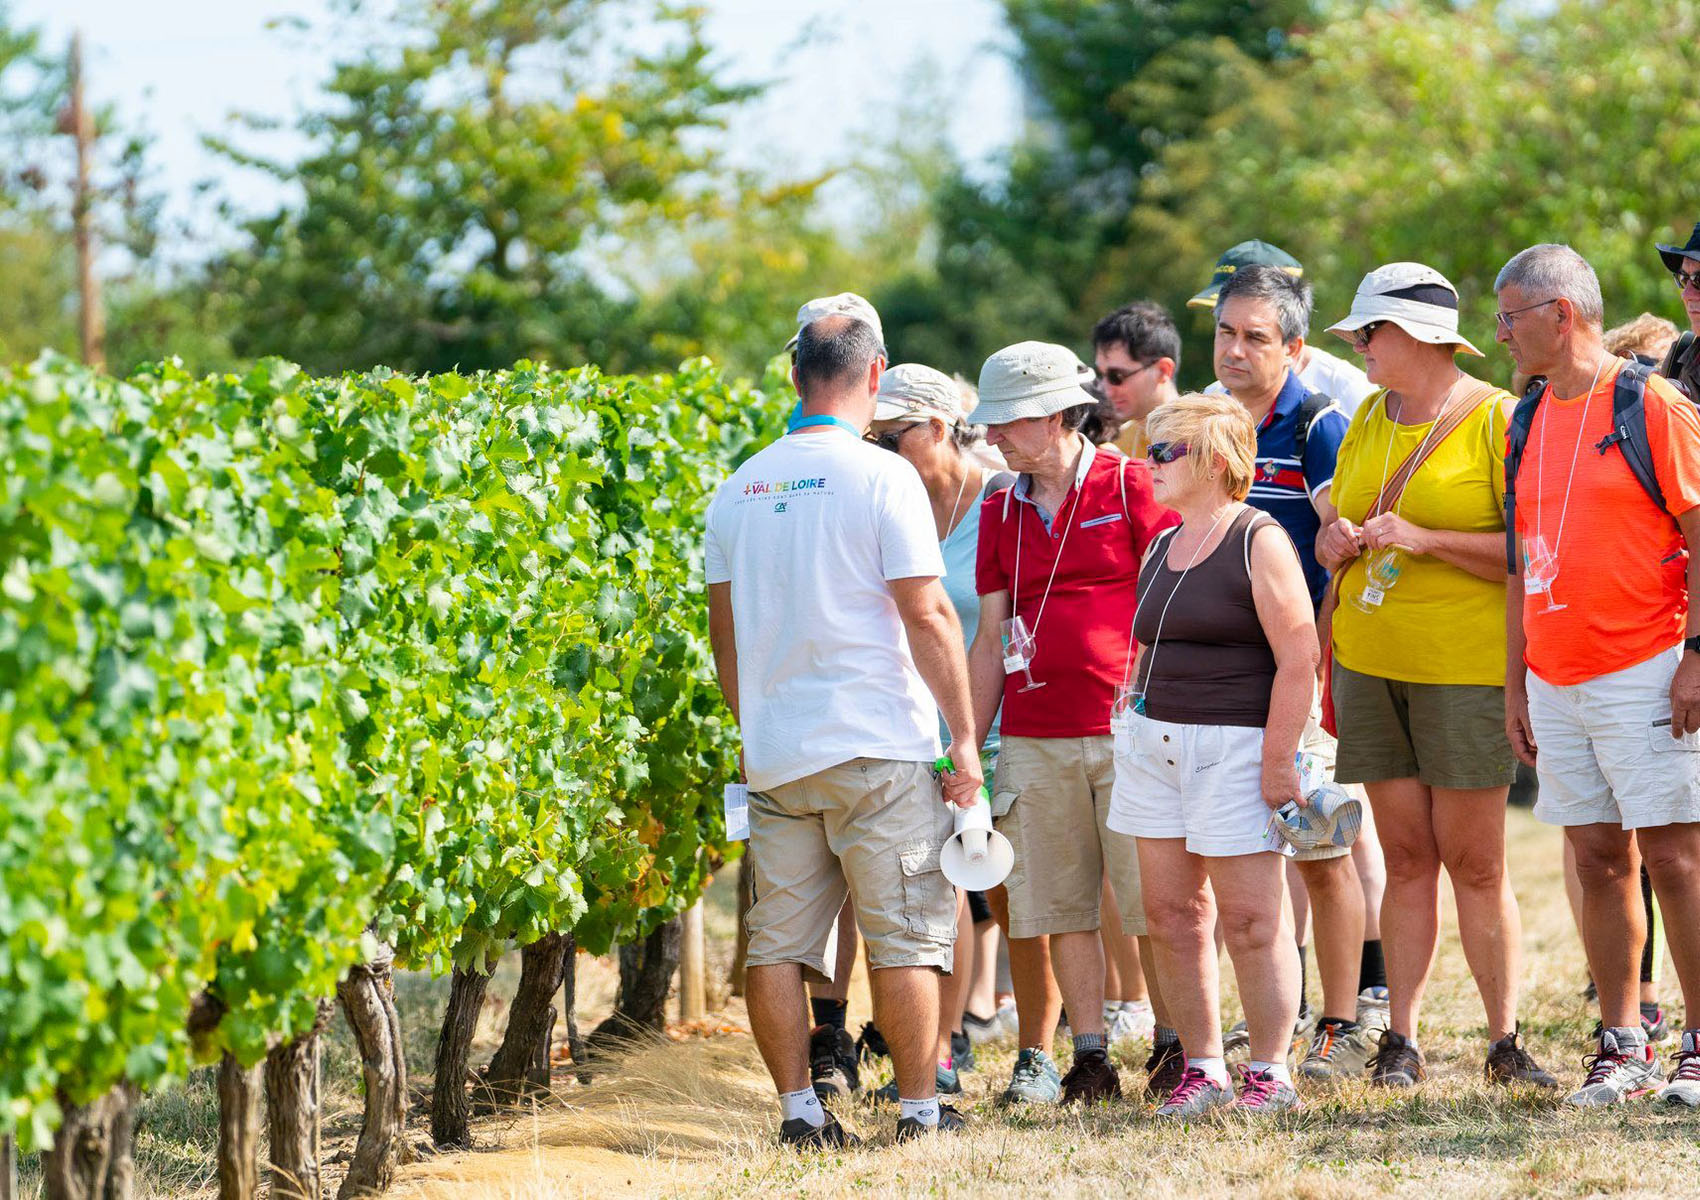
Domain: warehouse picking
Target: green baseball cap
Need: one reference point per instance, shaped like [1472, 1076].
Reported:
[1247, 254]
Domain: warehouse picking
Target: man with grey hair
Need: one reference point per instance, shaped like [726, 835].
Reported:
[833, 639]
[1262, 313]
[1602, 676]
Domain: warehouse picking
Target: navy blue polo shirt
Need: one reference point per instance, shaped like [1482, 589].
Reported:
[1283, 486]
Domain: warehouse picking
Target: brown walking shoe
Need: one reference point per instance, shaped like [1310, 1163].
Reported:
[1091, 1078]
[1508, 1062]
[1397, 1062]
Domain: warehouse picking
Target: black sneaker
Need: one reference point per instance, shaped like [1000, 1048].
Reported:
[870, 1043]
[1509, 1062]
[961, 1051]
[800, 1135]
[832, 1064]
[1092, 1078]
[1164, 1070]
[950, 1121]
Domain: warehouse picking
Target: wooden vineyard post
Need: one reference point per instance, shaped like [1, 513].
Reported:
[8, 1169]
[693, 967]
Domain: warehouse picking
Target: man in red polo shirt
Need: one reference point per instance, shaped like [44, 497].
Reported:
[1060, 552]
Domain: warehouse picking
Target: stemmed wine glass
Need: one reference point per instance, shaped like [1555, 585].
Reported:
[1540, 569]
[1382, 569]
[1018, 648]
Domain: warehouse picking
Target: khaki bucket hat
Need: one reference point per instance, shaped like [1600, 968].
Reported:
[1031, 379]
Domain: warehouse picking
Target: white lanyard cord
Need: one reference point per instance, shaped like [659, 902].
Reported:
[1162, 564]
[1015, 584]
[1541, 462]
[950, 525]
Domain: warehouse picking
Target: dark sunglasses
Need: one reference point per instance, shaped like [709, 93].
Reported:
[1686, 280]
[1165, 452]
[1361, 339]
[1116, 376]
[889, 439]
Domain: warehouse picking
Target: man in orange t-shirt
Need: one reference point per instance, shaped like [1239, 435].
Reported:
[1603, 670]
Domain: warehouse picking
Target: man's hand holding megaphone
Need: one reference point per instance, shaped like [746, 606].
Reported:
[962, 785]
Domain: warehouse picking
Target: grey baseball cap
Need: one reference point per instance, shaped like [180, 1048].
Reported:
[845, 304]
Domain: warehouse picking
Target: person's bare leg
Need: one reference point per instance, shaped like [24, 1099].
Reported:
[844, 960]
[1371, 865]
[1078, 959]
[981, 999]
[1410, 911]
[906, 1006]
[1148, 968]
[953, 987]
[774, 995]
[1123, 978]
[1469, 828]
[1572, 885]
[1038, 1003]
[1300, 903]
[1256, 924]
[1337, 917]
[1673, 861]
[1613, 923]
[1181, 915]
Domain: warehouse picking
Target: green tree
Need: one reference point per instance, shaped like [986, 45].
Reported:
[466, 180]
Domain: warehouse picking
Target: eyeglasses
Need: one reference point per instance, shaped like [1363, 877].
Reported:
[1165, 452]
[1116, 376]
[1508, 320]
[1361, 339]
[1686, 280]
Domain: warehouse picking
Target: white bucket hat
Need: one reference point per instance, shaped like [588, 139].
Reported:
[912, 392]
[845, 304]
[1031, 379]
[1418, 299]
[1331, 816]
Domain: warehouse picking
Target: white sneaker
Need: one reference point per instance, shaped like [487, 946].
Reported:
[1622, 1070]
[1129, 1021]
[1006, 1017]
[1683, 1085]
[1374, 1011]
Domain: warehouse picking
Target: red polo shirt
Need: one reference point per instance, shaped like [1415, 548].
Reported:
[1081, 639]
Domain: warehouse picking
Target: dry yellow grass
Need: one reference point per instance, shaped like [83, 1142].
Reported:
[697, 1119]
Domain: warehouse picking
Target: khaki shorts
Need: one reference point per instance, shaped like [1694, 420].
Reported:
[1320, 745]
[1052, 802]
[1446, 735]
[870, 827]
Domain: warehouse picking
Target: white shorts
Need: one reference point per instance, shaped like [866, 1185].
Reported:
[1203, 783]
[1601, 759]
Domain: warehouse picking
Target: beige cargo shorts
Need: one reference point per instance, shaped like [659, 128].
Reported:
[1051, 802]
[871, 827]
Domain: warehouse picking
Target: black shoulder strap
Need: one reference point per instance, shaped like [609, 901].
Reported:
[1677, 357]
[1516, 438]
[1629, 428]
[1312, 407]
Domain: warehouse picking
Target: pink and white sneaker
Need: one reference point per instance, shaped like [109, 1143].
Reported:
[1261, 1092]
[1195, 1095]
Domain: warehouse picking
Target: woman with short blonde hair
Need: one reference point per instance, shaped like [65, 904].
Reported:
[1206, 746]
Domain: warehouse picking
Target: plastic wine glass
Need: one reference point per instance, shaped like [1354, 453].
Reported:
[1382, 570]
[1540, 568]
[1018, 649]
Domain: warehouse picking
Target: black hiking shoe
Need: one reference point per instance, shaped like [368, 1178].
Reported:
[950, 1121]
[800, 1135]
[1092, 1078]
[1508, 1062]
[1164, 1070]
[870, 1043]
[832, 1064]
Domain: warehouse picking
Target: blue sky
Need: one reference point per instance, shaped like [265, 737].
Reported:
[841, 68]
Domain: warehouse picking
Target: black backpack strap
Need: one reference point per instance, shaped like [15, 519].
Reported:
[1310, 408]
[1516, 438]
[1678, 355]
[1629, 428]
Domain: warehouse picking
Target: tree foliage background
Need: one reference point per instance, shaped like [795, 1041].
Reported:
[487, 180]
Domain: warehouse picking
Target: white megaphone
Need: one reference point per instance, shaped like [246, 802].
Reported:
[977, 856]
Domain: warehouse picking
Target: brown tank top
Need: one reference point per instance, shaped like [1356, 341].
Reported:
[1210, 663]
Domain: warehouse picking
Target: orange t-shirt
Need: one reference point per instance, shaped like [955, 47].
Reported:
[1621, 563]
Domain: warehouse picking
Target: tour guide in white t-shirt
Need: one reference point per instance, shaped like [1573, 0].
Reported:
[833, 638]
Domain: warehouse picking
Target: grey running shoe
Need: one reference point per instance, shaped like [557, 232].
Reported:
[1340, 1050]
[832, 1064]
[1195, 1095]
[1622, 1070]
[1261, 1092]
[1035, 1080]
[800, 1134]
[1397, 1062]
[1374, 1011]
[1683, 1086]
[1129, 1024]
[945, 1080]
[1509, 1062]
[950, 1121]
[961, 1051]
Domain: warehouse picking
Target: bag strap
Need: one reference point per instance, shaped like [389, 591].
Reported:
[1516, 440]
[1394, 488]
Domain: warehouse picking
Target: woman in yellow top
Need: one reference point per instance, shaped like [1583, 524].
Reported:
[1419, 653]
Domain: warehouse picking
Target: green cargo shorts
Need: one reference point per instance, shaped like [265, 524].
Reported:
[1443, 734]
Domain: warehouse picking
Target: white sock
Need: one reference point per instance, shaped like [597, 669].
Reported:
[803, 1104]
[1216, 1068]
[925, 1111]
[1276, 1071]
